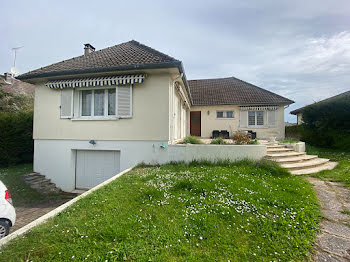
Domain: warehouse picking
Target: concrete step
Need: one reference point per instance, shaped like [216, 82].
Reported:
[34, 180]
[326, 166]
[49, 189]
[294, 159]
[307, 164]
[275, 146]
[279, 150]
[32, 176]
[40, 183]
[284, 154]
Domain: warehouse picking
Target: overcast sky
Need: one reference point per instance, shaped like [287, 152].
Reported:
[298, 49]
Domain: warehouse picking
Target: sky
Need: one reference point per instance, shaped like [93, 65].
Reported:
[297, 49]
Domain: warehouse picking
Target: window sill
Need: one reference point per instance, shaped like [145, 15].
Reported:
[258, 127]
[96, 119]
[225, 118]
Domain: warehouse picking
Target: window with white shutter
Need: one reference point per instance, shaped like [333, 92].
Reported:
[66, 108]
[124, 98]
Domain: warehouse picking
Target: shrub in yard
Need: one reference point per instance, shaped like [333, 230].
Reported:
[191, 140]
[218, 141]
[241, 138]
[254, 142]
[294, 132]
[16, 142]
[326, 124]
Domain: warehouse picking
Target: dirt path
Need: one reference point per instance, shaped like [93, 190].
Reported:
[333, 243]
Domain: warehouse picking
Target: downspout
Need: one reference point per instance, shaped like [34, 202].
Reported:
[173, 108]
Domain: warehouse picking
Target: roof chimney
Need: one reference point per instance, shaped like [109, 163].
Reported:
[7, 76]
[88, 49]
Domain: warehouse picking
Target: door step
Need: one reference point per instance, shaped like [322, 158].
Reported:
[294, 159]
[40, 183]
[279, 150]
[326, 166]
[285, 154]
[307, 164]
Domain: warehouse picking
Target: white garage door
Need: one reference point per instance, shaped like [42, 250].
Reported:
[93, 167]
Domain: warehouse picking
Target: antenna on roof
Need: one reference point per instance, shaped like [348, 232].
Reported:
[14, 70]
[15, 49]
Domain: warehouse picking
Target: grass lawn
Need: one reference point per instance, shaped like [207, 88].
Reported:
[342, 172]
[244, 211]
[21, 193]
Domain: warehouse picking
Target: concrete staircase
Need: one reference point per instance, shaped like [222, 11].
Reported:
[40, 183]
[298, 163]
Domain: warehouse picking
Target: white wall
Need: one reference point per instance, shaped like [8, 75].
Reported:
[56, 159]
[209, 122]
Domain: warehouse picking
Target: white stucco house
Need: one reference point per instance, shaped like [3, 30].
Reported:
[102, 112]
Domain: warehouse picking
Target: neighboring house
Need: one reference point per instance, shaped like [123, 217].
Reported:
[15, 95]
[104, 111]
[299, 112]
[14, 86]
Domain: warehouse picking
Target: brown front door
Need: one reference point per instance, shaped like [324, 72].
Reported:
[195, 123]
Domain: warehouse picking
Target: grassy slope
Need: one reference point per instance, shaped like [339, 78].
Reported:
[342, 172]
[21, 193]
[240, 212]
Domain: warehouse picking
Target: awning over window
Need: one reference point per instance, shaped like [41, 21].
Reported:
[97, 81]
[258, 108]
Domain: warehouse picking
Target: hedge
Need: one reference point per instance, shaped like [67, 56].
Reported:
[326, 124]
[16, 138]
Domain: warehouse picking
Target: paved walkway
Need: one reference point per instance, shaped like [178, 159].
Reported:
[29, 213]
[333, 243]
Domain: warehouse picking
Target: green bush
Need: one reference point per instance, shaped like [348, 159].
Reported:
[218, 141]
[16, 142]
[294, 132]
[326, 124]
[191, 140]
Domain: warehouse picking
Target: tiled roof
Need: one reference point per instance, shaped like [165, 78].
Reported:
[232, 91]
[127, 55]
[296, 111]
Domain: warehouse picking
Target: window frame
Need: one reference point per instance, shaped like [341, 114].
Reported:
[224, 114]
[105, 113]
[256, 119]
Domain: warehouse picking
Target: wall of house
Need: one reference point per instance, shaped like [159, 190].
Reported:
[209, 122]
[300, 118]
[56, 159]
[150, 120]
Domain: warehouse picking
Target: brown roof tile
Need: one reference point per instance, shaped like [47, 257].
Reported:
[232, 91]
[131, 53]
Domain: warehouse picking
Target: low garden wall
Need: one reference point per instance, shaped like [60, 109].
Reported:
[190, 152]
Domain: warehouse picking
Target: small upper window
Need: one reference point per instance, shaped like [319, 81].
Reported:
[224, 114]
[219, 114]
[229, 114]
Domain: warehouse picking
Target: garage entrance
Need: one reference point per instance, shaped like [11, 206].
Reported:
[95, 166]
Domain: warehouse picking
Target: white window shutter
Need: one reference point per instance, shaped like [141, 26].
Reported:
[124, 101]
[243, 118]
[67, 103]
[271, 118]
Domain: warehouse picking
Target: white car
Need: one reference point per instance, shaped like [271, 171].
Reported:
[7, 211]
